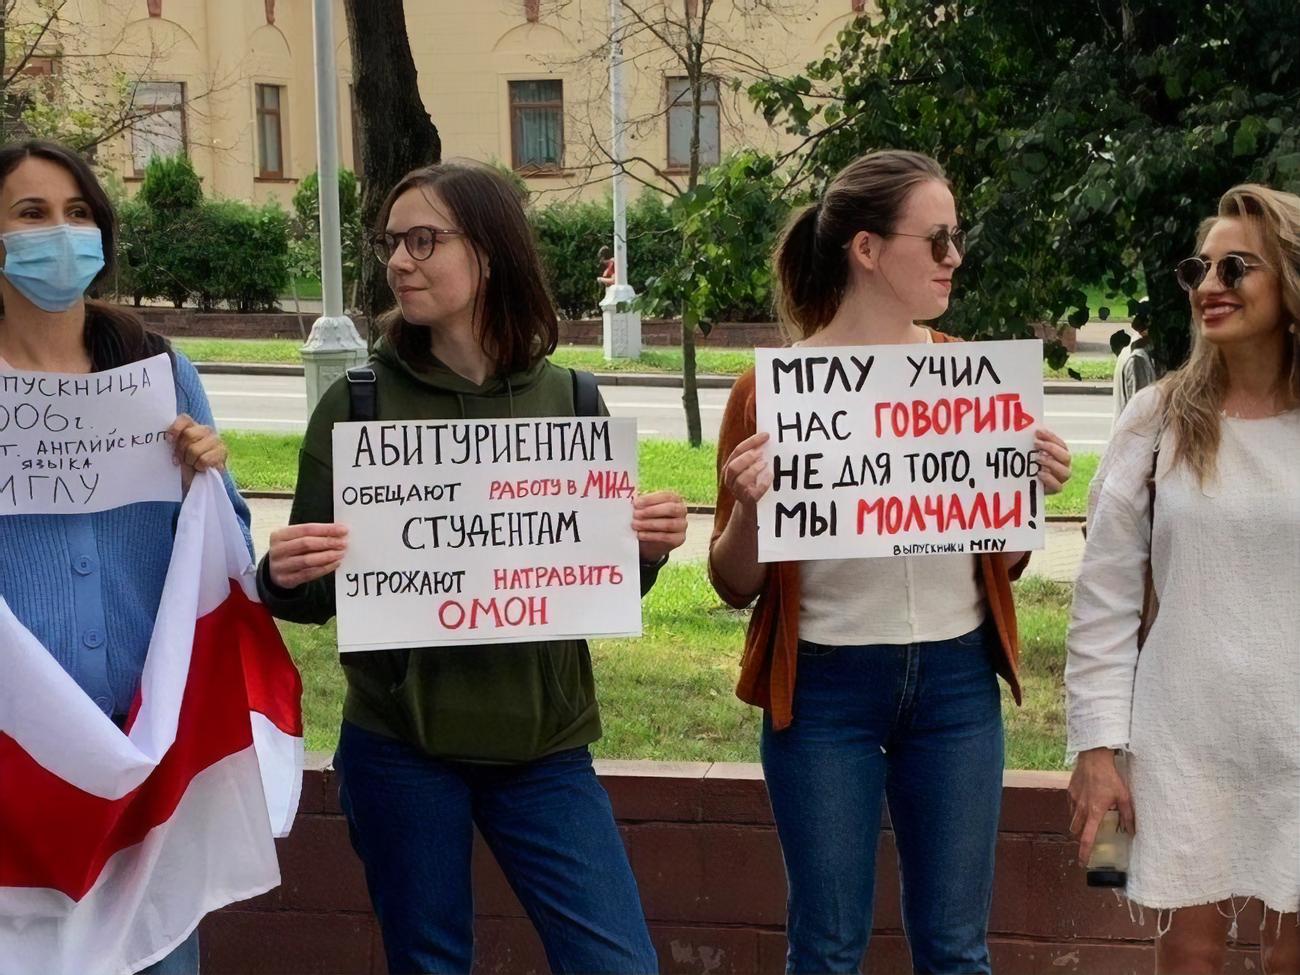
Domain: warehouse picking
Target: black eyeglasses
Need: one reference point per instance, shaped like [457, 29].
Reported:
[419, 242]
[1230, 269]
[939, 242]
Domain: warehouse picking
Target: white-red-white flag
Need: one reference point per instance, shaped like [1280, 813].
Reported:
[114, 845]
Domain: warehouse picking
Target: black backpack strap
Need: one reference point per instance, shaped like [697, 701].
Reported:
[363, 394]
[586, 393]
[363, 406]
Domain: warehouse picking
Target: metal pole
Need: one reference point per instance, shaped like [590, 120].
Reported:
[621, 326]
[327, 160]
[616, 146]
[334, 345]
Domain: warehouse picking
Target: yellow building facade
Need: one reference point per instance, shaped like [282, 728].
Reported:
[524, 83]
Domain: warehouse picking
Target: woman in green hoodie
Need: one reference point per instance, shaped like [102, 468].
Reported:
[436, 742]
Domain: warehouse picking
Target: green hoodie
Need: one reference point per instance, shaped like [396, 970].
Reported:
[489, 703]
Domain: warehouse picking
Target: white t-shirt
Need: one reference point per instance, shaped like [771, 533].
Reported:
[905, 599]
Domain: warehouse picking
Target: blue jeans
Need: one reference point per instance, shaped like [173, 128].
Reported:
[184, 959]
[920, 724]
[548, 823]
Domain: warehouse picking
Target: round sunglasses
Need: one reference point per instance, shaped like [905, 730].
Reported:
[940, 240]
[419, 241]
[1231, 269]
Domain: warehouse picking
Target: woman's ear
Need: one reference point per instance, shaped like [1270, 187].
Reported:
[863, 250]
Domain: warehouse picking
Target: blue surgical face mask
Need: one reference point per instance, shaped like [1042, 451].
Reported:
[53, 266]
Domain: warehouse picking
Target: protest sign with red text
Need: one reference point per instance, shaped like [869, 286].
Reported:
[888, 450]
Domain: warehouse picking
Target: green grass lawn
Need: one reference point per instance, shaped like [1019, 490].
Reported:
[670, 695]
[1099, 297]
[1089, 370]
[259, 351]
[709, 362]
[306, 287]
[269, 462]
[263, 461]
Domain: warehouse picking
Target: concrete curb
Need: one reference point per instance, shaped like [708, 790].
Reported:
[643, 379]
[691, 509]
[247, 369]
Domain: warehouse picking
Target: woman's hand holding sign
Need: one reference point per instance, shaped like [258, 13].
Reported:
[196, 448]
[303, 553]
[659, 520]
[748, 475]
[1053, 471]
[1053, 460]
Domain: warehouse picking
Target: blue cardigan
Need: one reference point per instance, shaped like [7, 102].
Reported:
[88, 586]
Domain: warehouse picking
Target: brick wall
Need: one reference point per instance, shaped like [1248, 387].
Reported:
[702, 844]
[655, 332]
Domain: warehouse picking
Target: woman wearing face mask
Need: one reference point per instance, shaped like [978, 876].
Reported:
[87, 586]
[1198, 497]
[878, 677]
[437, 741]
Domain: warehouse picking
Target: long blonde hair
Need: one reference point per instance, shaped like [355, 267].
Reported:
[1194, 394]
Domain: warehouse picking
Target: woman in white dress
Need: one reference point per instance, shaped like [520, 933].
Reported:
[1209, 712]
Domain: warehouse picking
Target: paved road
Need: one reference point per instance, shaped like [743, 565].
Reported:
[278, 404]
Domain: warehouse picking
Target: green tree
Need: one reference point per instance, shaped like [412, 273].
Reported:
[692, 37]
[305, 245]
[726, 224]
[1085, 141]
[65, 79]
[396, 132]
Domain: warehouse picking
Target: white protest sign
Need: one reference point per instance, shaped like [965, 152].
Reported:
[887, 450]
[486, 531]
[80, 443]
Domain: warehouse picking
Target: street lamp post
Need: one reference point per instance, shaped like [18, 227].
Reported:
[621, 325]
[334, 345]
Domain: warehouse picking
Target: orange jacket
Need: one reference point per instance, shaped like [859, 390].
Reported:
[768, 670]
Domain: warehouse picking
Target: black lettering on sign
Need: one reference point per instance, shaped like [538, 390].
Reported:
[821, 374]
[953, 371]
[781, 472]
[812, 426]
[947, 465]
[810, 521]
[858, 472]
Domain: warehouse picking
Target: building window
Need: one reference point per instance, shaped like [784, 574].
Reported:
[270, 132]
[537, 124]
[40, 67]
[679, 123]
[160, 128]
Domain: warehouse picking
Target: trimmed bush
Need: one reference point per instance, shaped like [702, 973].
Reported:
[570, 234]
[171, 185]
[171, 196]
[241, 255]
[127, 281]
[174, 244]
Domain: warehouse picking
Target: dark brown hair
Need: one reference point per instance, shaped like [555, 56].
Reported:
[113, 335]
[513, 307]
[812, 269]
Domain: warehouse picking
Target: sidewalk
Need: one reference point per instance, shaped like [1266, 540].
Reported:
[1059, 563]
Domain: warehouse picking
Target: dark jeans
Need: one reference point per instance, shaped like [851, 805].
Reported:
[920, 724]
[184, 960]
[549, 825]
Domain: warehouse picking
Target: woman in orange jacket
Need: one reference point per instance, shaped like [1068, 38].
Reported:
[895, 659]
